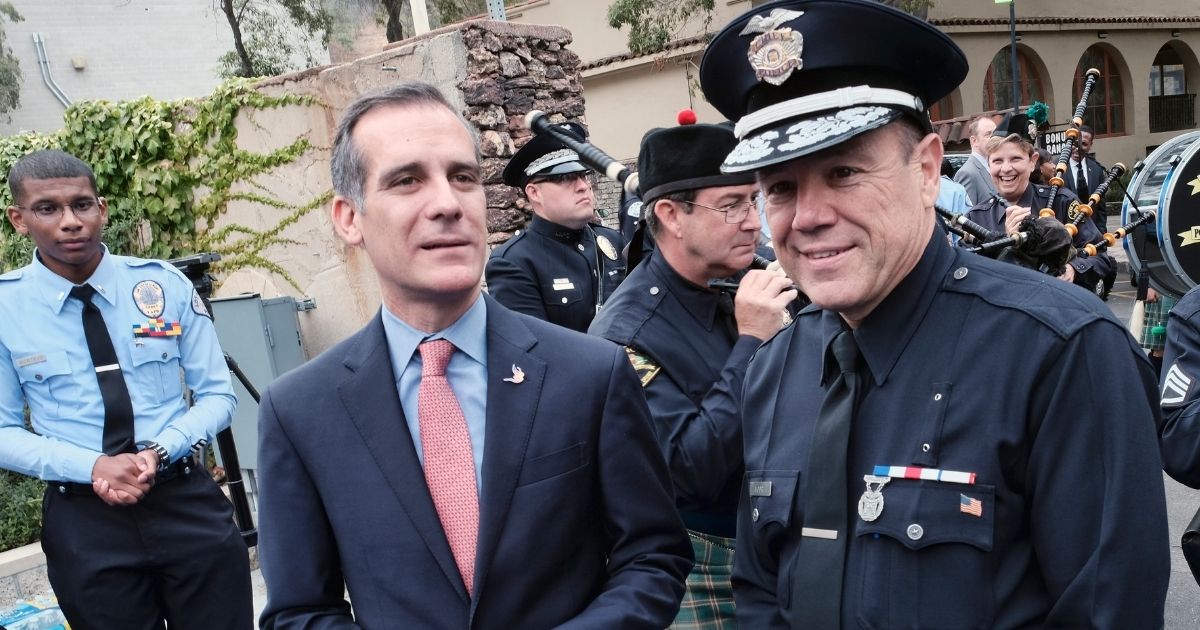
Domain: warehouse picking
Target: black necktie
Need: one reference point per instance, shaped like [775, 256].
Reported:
[817, 590]
[1081, 185]
[725, 313]
[118, 410]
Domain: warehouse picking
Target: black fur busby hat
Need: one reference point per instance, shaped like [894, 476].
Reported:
[1013, 123]
[686, 157]
[545, 155]
[800, 76]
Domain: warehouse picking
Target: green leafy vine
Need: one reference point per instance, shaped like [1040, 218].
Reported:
[172, 167]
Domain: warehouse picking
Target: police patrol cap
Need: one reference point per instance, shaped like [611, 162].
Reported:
[686, 157]
[545, 155]
[800, 76]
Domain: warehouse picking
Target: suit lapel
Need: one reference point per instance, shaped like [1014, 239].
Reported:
[373, 405]
[511, 407]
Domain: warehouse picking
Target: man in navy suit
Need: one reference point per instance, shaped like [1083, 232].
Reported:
[455, 464]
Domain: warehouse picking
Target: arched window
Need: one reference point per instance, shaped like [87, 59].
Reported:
[997, 84]
[1106, 107]
[943, 109]
[1171, 107]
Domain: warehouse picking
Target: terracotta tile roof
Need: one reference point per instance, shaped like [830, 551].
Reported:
[675, 45]
[1129, 19]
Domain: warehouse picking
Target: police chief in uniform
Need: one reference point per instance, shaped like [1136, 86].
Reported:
[918, 452]
[1012, 159]
[102, 348]
[563, 268]
[690, 343]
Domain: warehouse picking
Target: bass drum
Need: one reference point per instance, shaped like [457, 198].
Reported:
[1167, 249]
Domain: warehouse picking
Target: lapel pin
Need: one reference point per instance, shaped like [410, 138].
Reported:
[518, 376]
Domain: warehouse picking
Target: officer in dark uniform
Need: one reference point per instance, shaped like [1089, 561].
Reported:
[1180, 391]
[1011, 159]
[564, 267]
[691, 343]
[921, 450]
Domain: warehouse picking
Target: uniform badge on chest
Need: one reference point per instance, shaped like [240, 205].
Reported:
[870, 504]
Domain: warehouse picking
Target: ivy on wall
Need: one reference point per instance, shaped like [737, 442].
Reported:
[169, 169]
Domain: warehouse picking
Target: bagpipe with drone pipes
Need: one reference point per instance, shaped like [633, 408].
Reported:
[1044, 242]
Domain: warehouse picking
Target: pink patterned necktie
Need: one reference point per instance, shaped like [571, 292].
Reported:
[449, 463]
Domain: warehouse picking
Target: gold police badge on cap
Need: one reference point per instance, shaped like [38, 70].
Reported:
[606, 246]
[774, 54]
[148, 295]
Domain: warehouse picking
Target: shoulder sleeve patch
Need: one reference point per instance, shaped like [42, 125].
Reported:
[199, 306]
[1177, 387]
[646, 368]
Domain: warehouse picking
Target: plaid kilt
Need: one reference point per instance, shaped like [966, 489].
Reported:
[1156, 316]
[708, 602]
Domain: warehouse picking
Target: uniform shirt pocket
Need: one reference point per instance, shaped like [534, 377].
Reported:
[155, 370]
[939, 536]
[772, 506]
[562, 292]
[49, 382]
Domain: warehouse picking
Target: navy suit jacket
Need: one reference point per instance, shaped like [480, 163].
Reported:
[1095, 175]
[577, 523]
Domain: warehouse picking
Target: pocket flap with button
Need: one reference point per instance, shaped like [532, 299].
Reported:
[772, 495]
[160, 349]
[919, 514]
[38, 367]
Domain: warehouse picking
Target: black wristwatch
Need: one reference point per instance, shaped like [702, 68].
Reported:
[164, 458]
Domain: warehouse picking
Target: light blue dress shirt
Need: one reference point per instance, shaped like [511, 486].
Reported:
[467, 373]
[45, 362]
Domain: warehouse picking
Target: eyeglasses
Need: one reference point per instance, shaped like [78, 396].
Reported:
[83, 209]
[566, 178]
[735, 212]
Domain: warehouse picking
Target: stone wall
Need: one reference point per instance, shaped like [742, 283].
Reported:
[494, 72]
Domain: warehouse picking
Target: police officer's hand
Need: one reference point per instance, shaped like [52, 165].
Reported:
[149, 465]
[117, 480]
[761, 299]
[1013, 215]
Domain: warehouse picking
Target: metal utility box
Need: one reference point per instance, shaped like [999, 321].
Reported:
[263, 337]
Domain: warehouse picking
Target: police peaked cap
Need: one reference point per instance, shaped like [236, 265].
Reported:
[800, 76]
[545, 155]
[686, 157]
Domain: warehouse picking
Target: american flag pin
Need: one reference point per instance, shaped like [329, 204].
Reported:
[967, 505]
[518, 376]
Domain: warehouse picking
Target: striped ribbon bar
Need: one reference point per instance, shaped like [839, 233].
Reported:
[929, 474]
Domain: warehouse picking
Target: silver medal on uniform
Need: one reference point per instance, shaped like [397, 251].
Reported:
[870, 504]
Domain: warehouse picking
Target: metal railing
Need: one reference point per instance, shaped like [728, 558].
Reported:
[1172, 113]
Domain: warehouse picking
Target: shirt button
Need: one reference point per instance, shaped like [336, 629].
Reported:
[754, 515]
[937, 396]
[62, 489]
[960, 273]
[564, 300]
[925, 447]
[579, 247]
[37, 376]
[653, 290]
[915, 532]
[61, 294]
[164, 356]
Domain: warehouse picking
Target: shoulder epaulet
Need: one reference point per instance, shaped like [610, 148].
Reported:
[645, 367]
[15, 274]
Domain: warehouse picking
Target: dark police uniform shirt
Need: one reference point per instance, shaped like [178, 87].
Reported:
[557, 274]
[990, 214]
[973, 367]
[1180, 392]
[685, 347]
